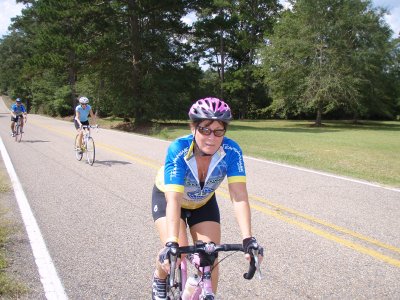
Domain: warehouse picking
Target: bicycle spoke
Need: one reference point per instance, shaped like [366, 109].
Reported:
[90, 151]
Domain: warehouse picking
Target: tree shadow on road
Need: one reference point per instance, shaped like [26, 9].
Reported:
[110, 163]
[34, 141]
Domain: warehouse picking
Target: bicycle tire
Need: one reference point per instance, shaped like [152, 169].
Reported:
[19, 134]
[90, 151]
[77, 149]
[15, 130]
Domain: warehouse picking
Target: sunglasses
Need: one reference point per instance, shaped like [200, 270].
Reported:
[207, 131]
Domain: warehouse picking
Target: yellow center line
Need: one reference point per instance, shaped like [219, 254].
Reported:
[323, 233]
[331, 237]
[327, 224]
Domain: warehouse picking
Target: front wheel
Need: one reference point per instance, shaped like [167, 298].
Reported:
[17, 131]
[90, 151]
[19, 134]
[77, 149]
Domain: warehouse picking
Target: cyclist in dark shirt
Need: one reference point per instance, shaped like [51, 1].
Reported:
[17, 111]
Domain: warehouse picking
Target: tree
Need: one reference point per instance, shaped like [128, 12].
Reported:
[323, 54]
[227, 37]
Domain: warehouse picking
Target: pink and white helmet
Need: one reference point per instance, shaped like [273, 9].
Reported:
[210, 109]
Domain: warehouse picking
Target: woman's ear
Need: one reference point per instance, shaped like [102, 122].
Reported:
[193, 128]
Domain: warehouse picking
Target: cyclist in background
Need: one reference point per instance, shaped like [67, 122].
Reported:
[17, 111]
[82, 112]
[184, 192]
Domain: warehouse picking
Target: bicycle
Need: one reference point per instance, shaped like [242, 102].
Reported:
[202, 256]
[87, 145]
[17, 129]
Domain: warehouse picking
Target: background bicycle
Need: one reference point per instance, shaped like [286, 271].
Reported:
[87, 145]
[17, 129]
[202, 256]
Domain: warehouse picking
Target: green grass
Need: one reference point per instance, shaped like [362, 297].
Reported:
[9, 288]
[369, 151]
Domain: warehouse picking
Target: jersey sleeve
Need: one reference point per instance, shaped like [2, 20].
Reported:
[236, 170]
[175, 167]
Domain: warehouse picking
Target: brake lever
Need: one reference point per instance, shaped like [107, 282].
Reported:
[173, 257]
[257, 263]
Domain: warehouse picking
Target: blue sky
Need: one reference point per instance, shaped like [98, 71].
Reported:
[9, 9]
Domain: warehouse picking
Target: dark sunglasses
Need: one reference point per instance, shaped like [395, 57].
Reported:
[207, 131]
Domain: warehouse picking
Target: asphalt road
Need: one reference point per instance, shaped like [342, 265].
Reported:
[325, 237]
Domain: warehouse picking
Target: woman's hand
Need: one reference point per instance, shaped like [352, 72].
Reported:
[164, 256]
[250, 244]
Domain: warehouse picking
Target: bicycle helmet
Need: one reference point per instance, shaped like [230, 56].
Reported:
[83, 100]
[210, 109]
[18, 100]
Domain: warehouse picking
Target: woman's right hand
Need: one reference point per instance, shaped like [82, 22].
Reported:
[170, 248]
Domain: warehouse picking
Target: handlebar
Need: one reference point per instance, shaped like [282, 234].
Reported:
[211, 249]
[89, 126]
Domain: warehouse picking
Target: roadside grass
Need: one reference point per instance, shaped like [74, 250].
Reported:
[369, 150]
[9, 288]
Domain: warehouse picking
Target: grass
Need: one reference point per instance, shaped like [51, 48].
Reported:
[369, 150]
[9, 288]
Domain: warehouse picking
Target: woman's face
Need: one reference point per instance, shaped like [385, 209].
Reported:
[209, 135]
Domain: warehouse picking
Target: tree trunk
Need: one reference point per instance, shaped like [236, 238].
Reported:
[222, 63]
[318, 121]
[72, 79]
[136, 61]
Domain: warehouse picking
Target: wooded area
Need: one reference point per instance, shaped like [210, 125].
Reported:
[139, 60]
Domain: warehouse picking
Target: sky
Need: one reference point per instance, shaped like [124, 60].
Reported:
[10, 9]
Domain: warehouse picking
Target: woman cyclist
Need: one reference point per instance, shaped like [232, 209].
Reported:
[184, 193]
[82, 112]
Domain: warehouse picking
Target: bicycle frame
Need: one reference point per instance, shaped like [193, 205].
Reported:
[204, 287]
[17, 128]
[87, 145]
[202, 256]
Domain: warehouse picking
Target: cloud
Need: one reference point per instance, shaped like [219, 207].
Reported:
[393, 20]
[8, 10]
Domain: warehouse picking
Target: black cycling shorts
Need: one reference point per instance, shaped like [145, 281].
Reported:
[83, 123]
[16, 118]
[208, 212]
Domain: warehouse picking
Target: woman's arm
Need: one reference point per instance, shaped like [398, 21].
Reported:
[174, 201]
[240, 200]
[77, 116]
[93, 116]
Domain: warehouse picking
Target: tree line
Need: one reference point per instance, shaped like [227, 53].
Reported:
[139, 60]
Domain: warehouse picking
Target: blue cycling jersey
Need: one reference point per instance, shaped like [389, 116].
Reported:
[180, 173]
[83, 112]
[18, 109]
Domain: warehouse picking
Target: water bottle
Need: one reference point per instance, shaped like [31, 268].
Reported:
[190, 286]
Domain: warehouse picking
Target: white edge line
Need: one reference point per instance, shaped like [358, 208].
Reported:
[324, 174]
[48, 275]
